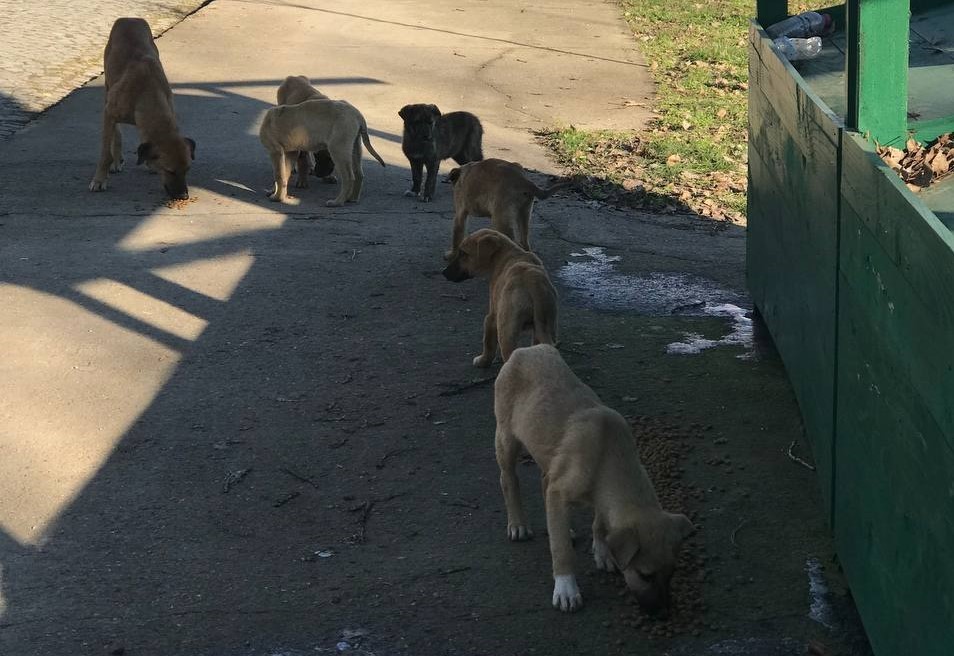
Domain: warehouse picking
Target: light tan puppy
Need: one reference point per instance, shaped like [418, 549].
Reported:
[521, 294]
[296, 89]
[500, 190]
[138, 93]
[587, 455]
[312, 125]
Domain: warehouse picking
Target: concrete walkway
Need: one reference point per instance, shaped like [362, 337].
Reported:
[233, 427]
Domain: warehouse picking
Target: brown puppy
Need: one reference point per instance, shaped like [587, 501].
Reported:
[430, 137]
[296, 89]
[500, 190]
[587, 455]
[311, 125]
[521, 294]
[138, 93]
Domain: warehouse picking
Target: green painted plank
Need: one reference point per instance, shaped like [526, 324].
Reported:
[792, 234]
[877, 67]
[894, 500]
[917, 335]
[769, 12]
[804, 113]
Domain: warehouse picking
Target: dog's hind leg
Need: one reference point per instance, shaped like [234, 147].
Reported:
[508, 334]
[303, 167]
[117, 151]
[508, 451]
[357, 171]
[522, 224]
[544, 323]
[344, 167]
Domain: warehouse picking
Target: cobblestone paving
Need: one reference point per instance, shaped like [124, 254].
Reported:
[48, 48]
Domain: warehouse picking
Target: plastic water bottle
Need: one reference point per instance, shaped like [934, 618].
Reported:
[806, 24]
[796, 49]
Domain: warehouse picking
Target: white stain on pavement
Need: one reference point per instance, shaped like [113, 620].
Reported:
[594, 281]
[741, 335]
[820, 609]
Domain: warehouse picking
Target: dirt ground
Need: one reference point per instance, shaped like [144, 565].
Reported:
[280, 445]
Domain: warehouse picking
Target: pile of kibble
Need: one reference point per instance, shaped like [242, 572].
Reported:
[662, 448]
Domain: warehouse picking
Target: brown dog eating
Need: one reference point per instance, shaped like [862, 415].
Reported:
[138, 93]
[500, 190]
[587, 455]
[521, 294]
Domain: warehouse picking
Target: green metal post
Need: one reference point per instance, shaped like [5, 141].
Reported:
[769, 12]
[877, 68]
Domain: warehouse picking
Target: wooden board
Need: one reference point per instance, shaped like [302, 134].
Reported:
[792, 233]
[894, 456]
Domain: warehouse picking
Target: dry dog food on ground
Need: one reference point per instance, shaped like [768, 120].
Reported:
[662, 448]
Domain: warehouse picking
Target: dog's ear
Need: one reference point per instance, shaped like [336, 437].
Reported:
[623, 545]
[145, 152]
[454, 175]
[486, 245]
[405, 112]
[435, 112]
[680, 528]
[191, 145]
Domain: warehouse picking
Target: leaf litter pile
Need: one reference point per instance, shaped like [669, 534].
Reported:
[921, 165]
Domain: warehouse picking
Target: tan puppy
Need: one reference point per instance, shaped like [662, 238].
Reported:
[312, 125]
[296, 89]
[138, 93]
[500, 190]
[587, 455]
[521, 294]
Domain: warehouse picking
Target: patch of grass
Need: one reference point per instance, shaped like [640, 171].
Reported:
[693, 154]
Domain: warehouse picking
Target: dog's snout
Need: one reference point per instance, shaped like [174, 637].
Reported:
[454, 273]
[177, 194]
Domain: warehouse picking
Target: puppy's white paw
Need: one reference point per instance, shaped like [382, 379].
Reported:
[519, 533]
[116, 167]
[410, 193]
[566, 593]
[482, 361]
[330, 179]
[97, 185]
[333, 203]
[424, 198]
[602, 556]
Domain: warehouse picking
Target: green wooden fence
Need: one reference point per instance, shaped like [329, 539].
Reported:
[854, 276]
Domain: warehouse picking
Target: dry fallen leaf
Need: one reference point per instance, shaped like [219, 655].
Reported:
[673, 159]
[721, 113]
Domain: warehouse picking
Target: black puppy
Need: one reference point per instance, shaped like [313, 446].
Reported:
[430, 137]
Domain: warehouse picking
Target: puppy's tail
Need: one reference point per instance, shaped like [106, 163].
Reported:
[541, 194]
[367, 142]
